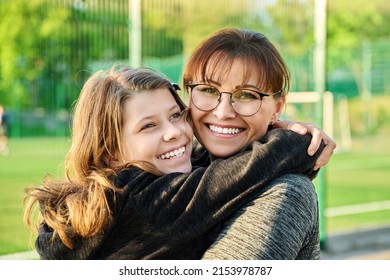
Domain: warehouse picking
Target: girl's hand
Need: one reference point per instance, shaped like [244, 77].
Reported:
[317, 136]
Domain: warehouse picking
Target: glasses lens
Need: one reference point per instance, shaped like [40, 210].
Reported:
[205, 97]
[246, 102]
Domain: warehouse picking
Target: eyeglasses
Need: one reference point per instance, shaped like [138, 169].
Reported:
[245, 102]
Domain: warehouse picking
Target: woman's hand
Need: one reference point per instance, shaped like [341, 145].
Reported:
[317, 136]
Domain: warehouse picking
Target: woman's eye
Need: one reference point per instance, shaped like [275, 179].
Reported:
[208, 90]
[246, 95]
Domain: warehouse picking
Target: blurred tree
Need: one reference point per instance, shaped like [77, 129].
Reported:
[45, 45]
[293, 32]
[203, 17]
[176, 29]
[351, 23]
[162, 29]
[26, 26]
[173, 30]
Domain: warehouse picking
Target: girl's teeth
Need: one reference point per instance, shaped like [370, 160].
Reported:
[175, 153]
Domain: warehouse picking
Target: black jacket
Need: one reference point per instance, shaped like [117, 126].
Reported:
[177, 216]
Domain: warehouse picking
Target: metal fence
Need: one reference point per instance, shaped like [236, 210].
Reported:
[53, 45]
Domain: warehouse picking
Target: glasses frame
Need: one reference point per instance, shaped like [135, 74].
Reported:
[261, 94]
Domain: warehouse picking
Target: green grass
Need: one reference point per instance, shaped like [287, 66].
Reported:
[359, 176]
[27, 164]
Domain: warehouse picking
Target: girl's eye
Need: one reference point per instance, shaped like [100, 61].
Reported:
[147, 126]
[176, 115]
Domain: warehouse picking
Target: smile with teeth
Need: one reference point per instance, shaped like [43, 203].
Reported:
[173, 154]
[225, 130]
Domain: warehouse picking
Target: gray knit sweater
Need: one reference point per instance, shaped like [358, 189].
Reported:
[280, 224]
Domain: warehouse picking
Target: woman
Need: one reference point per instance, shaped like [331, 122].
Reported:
[110, 208]
[237, 83]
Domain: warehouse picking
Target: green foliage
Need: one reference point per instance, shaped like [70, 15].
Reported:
[45, 45]
[369, 116]
[25, 26]
[349, 27]
[49, 47]
[349, 24]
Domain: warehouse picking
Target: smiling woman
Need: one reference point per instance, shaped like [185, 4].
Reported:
[227, 118]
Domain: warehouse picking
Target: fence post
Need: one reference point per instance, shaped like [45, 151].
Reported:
[319, 78]
[135, 47]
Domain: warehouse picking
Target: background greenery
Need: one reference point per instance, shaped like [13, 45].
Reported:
[49, 47]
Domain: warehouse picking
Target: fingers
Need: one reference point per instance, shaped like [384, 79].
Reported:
[315, 141]
[324, 157]
[299, 128]
[330, 146]
[318, 135]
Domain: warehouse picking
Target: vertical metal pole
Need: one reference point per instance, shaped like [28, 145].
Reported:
[135, 46]
[16, 126]
[367, 84]
[319, 72]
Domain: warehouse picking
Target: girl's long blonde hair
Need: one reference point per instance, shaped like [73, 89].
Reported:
[78, 205]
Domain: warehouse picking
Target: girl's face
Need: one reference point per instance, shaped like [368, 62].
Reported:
[222, 131]
[155, 131]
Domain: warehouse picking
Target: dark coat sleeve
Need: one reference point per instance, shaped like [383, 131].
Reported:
[183, 204]
[177, 216]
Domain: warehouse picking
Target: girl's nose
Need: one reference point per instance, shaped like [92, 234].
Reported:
[172, 132]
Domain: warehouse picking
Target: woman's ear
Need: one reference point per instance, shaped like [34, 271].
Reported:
[278, 110]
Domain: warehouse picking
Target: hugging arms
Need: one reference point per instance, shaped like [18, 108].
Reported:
[152, 215]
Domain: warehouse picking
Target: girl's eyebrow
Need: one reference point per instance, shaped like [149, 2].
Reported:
[174, 107]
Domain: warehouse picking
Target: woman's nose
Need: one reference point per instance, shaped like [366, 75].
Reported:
[225, 109]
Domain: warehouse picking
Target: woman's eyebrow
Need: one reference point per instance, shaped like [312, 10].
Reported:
[213, 82]
[237, 87]
[248, 86]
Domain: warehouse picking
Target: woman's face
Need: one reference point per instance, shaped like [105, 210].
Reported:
[154, 131]
[222, 131]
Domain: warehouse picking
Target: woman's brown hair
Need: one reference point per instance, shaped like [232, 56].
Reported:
[223, 47]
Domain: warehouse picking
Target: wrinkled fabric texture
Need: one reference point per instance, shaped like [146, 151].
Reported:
[178, 216]
[280, 224]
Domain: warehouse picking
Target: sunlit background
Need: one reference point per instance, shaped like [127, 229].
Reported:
[338, 53]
